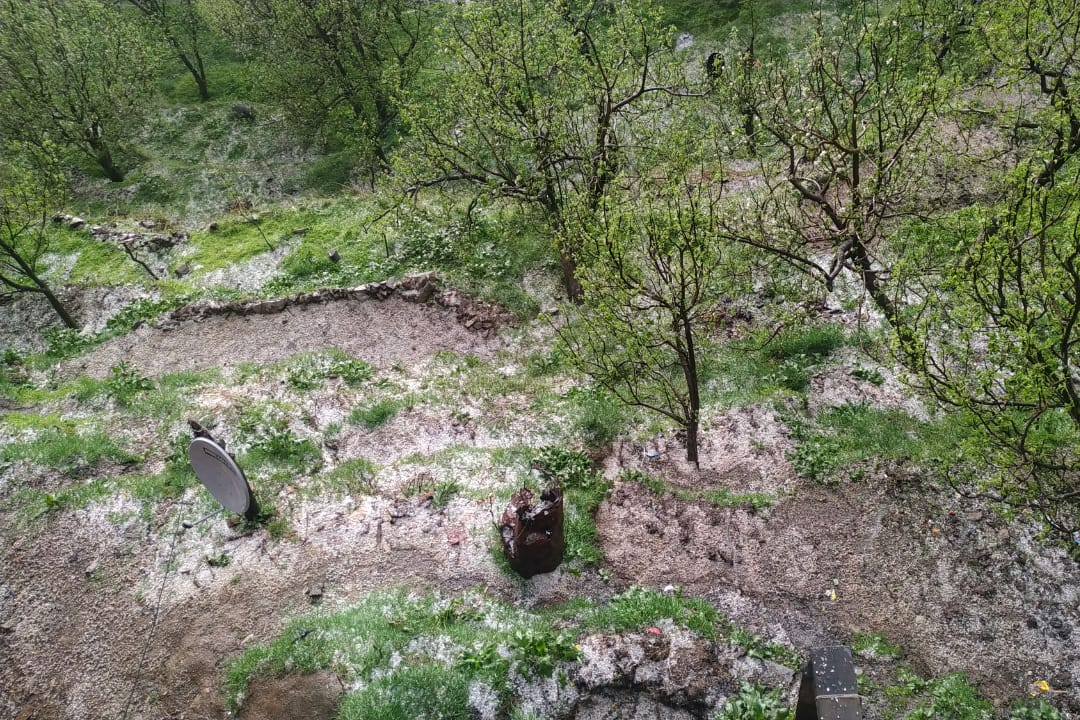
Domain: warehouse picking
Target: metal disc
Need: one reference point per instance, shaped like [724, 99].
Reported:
[220, 475]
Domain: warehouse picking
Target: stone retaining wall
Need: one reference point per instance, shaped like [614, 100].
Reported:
[419, 288]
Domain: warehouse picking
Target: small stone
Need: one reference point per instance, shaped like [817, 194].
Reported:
[76, 223]
[91, 568]
[182, 270]
[456, 535]
[8, 625]
[315, 592]
[1061, 681]
[420, 295]
[212, 227]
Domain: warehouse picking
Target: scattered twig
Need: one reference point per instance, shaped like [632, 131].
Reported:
[135, 259]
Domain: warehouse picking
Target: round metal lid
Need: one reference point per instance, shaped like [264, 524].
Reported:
[220, 475]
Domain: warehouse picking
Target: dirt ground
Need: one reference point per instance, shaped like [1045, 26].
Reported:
[107, 619]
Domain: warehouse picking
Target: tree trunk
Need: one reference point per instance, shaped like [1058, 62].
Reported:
[569, 276]
[910, 347]
[195, 66]
[567, 259]
[42, 287]
[54, 301]
[690, 372]
[692, 439]
[202, 85]
[105, 159]
[199, 73]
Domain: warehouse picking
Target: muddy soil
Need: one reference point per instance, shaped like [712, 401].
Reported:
[106, 612]
[955, 586]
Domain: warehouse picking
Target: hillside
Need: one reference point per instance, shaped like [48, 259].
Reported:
[389, 364]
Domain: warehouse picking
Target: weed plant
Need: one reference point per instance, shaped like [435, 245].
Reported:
[951, 697]
[309, 371]
[63, 343]
[444, 492]
[143, 310]
[125, 384]
[754, 702]
[1038, 709]
[278, 448]
[271, 445]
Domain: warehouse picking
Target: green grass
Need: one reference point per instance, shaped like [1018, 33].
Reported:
[638, 608]
[331, 173]
[410, 655]
[67, 448]
[583, 491]
[377, 414]
[485, 253]
[833, 445]
[874, 646]
[20, 422]
[600, 417]
[445, 644]
[240, 238]
[353, 477]
[36, 503]
[761, 367]
[813, 343]
[97, 263]
[721, 497]
[427, 690]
